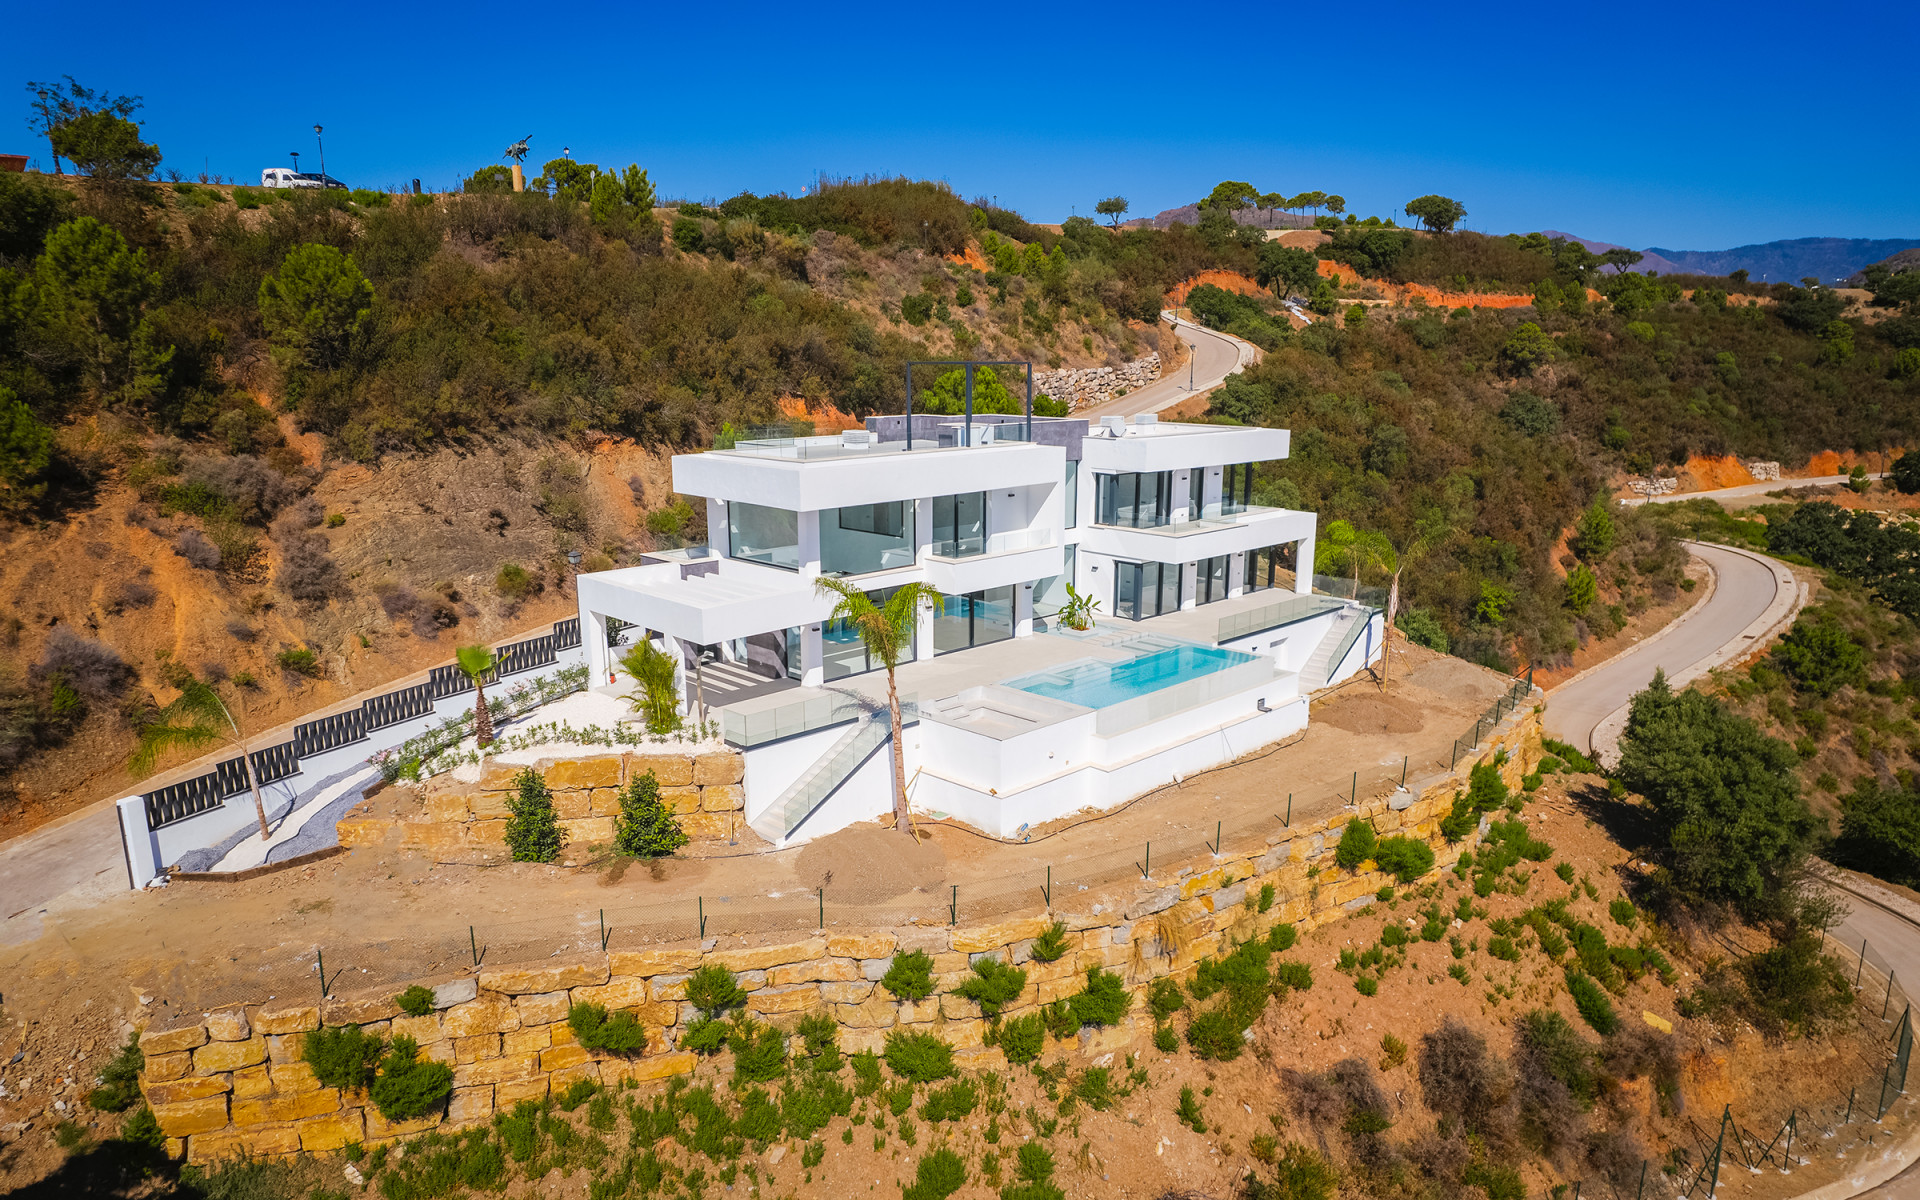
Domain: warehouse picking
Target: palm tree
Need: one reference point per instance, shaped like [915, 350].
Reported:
[887, 632]
[197, 718]
[475, 662]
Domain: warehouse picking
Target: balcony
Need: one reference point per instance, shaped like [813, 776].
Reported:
[1188, 541]
[1011, 556]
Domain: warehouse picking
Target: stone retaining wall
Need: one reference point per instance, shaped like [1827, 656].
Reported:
[235, 1082]
[1097, 385]
[704, 790]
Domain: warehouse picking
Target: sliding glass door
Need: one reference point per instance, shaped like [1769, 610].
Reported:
[1142, 590]
[975, 619]
[960, 525]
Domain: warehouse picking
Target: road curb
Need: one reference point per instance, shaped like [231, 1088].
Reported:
[1713, 585]
[1789, 597]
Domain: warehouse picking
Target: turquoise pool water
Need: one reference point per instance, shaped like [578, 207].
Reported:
[1096, 684]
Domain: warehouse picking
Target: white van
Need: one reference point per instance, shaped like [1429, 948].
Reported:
[287, 177]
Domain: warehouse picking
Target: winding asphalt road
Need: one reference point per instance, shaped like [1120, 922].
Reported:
[1215, 356]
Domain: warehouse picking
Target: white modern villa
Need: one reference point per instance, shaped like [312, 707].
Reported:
[1207, 641]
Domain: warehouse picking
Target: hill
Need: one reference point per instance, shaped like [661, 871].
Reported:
[1905, 260]
[1830, 260]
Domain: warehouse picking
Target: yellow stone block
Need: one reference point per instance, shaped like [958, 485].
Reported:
[759, 958]
[543, 1009]
[361, 831]
[320, 1134]
[508, 1093]
[286, 1108]
[252, 1082]
[600, 771]
[659, 1066]
[681, 801]
[710, 826]
[470, 1104]
[500, 777]
[978, 938]
[605, 802]
[655, 962]
[571, 806]
[487, 1013]
[854, 945]
[489, 806]
[723, 766]
[563, 1078]
[420, 1029]
[448, 807]
[476, 1047]
[845, 993]
[286, 1047]
[293, 1078]
[167, 1041]
[379, 1127]
[270, 1141]
[621, 993]
[526, 1041]
[179, 1091]
[432, 837]
[496, 1070]
[228, 1025]
[550, 977]
[669, 770]
[588, 831]
[360, 1010]
[215, 1057]
[821, 970]
[558, 1057]
[299, 1018]
[798, 998]
[190, 1117]
[162, 1067]
[488, 835]
[723, 797]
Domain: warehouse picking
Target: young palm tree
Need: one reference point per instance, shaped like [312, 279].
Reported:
[197, 718]
[475, 662]
[887, 632]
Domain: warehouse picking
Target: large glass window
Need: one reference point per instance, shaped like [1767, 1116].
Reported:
[1073, 492]
[975, 619]
[1137, 500]
[764, 535]
[1270, 567]
[1142, 590]
[1196, 493]
[960, 525]
[1236, 488]
[1211, 581]
[842, 653]
[866, 537]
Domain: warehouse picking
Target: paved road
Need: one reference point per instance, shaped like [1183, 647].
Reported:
[1215, 356]
[1745, 490]
[1744, 590]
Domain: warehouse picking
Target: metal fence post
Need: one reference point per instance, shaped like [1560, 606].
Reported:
[1888, 998]
[1289, 821]
[1353, 794]
[1642, 1194]
[1146, 868]
[1860, 970]
[701, 901]
[820, 894]
[1403, 770]
[953, 907]
[604, 934]
[322, 955]
[473, 944]
[1046, 893]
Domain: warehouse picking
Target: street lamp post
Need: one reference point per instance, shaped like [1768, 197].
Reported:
[296, 161]
[323, 153]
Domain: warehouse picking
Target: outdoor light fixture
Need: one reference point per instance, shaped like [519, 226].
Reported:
[323, 153]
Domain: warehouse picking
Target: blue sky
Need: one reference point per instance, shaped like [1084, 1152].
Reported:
[1682, 126]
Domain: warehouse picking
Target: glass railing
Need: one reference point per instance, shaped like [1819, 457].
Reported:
[1345, 646]
[1343, 587]
[841, 761]
[819, 709]
[1009, 542]
[1272, 616]
[1141, 710]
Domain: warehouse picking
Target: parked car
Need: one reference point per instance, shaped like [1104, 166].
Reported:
[286, 177]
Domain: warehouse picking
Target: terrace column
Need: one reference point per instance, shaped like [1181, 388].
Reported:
[1303, 566]
[1023, 610]
[813, 668]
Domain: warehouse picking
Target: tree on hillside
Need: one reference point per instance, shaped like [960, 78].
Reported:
[565, 179]
[1230, 197]
[476, 663]
[1620, 259]
[489, 180]
[1336, 204]
[1906, 473]
[55, 105]
[1733, 826]
[1819, 657]
[197, 718]
[1286, 270]
[107, 146]
[948, 394]
[1113, 207]
[92, 291]
[1593, 537]
[26, 447]
[1438, 213]
[887, 632]
[1271, 201]
[316, 302]
[1527, 347]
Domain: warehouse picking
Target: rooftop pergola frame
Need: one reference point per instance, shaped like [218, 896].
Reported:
[969, 365]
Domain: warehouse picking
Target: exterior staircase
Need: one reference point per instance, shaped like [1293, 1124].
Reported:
[846, 755]
[1334, 645]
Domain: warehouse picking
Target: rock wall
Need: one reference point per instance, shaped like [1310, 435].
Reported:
[704, 790]
[1097, 385]
[234, 1081]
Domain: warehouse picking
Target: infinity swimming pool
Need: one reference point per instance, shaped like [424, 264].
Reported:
[1093, 683]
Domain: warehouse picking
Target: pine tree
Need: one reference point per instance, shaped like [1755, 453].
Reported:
[533, 831]
[645, 828]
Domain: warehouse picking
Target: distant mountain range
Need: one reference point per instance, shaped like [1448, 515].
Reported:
[1831, 260]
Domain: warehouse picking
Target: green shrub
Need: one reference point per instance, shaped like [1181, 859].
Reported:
[713, 990]
[1188, 1110]
[705, 1035]
[1281, 937]
[1033, 1169]
[1165, 1040]
[1503, 949]
[1366, 985]
[1299, 1174]
[515, 583]
[1296, 975]
[1499, 1183]
[1356, 844]
[821, 1035]
[954, 1102]
[1094, 1088]
[994, 985]
[533, 829]
[142, 1129]
[866, 1073]
[1266, 897]
[300, 661]
[578, 1092]
[1217, 1034]
[1530, 783]
[342, 1056]
[1103, 1001]
[759, 1051]
[1165, 997]
[408, 1086]
[1049, 946]
[1592, 1002]
[938, 1175]
[594, 1030]
[919, 1057]
[416, 1001]
[1023, 1038]
[1406, 858]
[646, 828]
[1622, 911]
[119, 1087]
[1061, 1022]
[910, 975]
[1565, 872]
